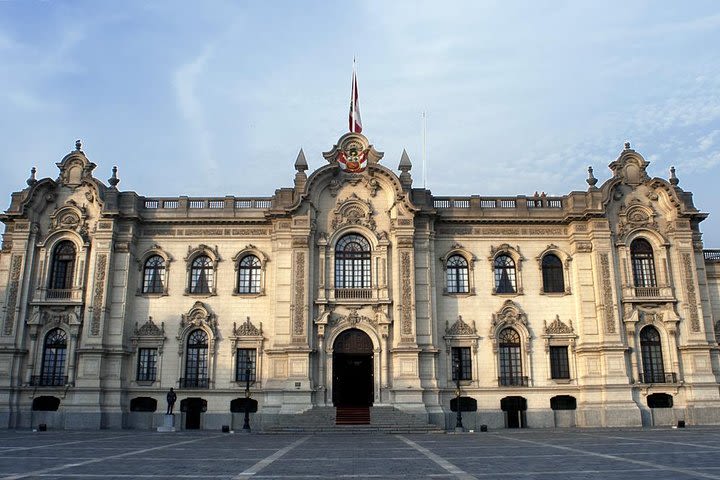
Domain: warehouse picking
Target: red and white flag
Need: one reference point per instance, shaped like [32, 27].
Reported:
[354, 118]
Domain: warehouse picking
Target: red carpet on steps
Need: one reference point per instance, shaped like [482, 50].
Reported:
[352, 416]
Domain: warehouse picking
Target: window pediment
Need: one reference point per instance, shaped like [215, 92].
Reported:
[199, 316]
[202, 249]
[354, 211]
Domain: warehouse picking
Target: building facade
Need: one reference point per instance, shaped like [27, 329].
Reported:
[593, 309]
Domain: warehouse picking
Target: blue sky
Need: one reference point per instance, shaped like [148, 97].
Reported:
[216, 98]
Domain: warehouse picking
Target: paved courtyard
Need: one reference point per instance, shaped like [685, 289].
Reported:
[673, 454]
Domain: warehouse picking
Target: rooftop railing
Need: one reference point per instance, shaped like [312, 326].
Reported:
[712, 256]
[206, 203]
[498, 202]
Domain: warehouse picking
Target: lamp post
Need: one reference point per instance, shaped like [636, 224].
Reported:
[458, 424]
[246, 420]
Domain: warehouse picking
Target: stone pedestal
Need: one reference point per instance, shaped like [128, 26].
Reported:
[168, 424]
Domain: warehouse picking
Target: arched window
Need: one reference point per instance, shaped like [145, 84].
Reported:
[201, 275]
[457, 274]
[552, 272]
[249, 274]
[352, 262]
[154, 275]
[196, 360]
[643, 264]
[63, 266]
[53, 360]
[511, 373]
[652, 360]
[505, 275]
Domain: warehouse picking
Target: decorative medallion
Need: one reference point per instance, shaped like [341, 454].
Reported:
[353, 157]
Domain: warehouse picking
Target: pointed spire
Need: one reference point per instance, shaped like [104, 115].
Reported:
[301, 163]
[591, 180]
[114, 180]
[405, 163]
[32, 180]
[674, 180]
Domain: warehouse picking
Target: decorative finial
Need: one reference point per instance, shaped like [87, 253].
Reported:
[32, 180]
[301, 163]
[627, 145]
[591, 180]
[674, 180]
[114, 180]
[78, 145]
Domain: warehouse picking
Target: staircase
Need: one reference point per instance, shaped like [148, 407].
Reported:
[353, 420]
[352, 416]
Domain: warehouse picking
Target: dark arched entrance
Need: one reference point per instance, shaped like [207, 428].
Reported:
[514, 408]
[353, 369]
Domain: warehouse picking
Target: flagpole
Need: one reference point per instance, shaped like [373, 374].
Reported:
[424, 148]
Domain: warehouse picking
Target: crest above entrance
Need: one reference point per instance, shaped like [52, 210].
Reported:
[353, 153]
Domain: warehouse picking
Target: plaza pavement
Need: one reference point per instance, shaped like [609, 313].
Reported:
[638, 454]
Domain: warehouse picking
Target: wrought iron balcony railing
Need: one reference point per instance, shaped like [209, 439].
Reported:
[48, 380]
[194, 383]
[353, 293]
[513, 381]
[61, 294]
[658, 377]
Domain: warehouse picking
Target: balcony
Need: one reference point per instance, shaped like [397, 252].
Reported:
[353, 293]
[194, 383]
[644, 294]
[48, 380]
[658, 377]
[59, 295]
[513, 381]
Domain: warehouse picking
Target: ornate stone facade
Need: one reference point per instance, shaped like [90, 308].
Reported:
[578, 292]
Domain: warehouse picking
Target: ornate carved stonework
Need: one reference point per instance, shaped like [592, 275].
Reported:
[557, 327]
[71, 216]
[100, 272]
[509, 314]
[354, 211]
[583, 247]
[636, 216]
[406, 285]
[717, 331]
[607, 293]
[149, 329]
[692, 298]
[15, 266]
[460, 328]
[198, 316]
[299, 303]
[247, 329]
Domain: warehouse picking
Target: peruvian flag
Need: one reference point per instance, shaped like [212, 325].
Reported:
[354, 118]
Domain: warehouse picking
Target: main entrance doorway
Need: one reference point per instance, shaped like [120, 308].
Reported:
[353, 369]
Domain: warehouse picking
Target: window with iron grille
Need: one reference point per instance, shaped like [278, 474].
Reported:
[457, 274]
[201, 275]
[651, 352]
[196, 360]
[559, 365]
[461, 363]
[63, 266]
[643, 263]
[246, 361]
[552, 272]
[505, 274]
[510, 361]
[352, 262]
[154, 275]
[147, 365]
[53, 361]
[249, 274]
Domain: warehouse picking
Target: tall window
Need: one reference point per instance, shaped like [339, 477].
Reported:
[201, 275]
[505, 274]
[457, 274]
[552, 272]
[643, 264]
[154, 275]
[246, 360]
[196, 361]
[559, 365]
[461, 363]
[53, 362]
[249, 275]
[352, 262]
[63, 266]
[147, 365]
[510, 360]
[651, 348]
